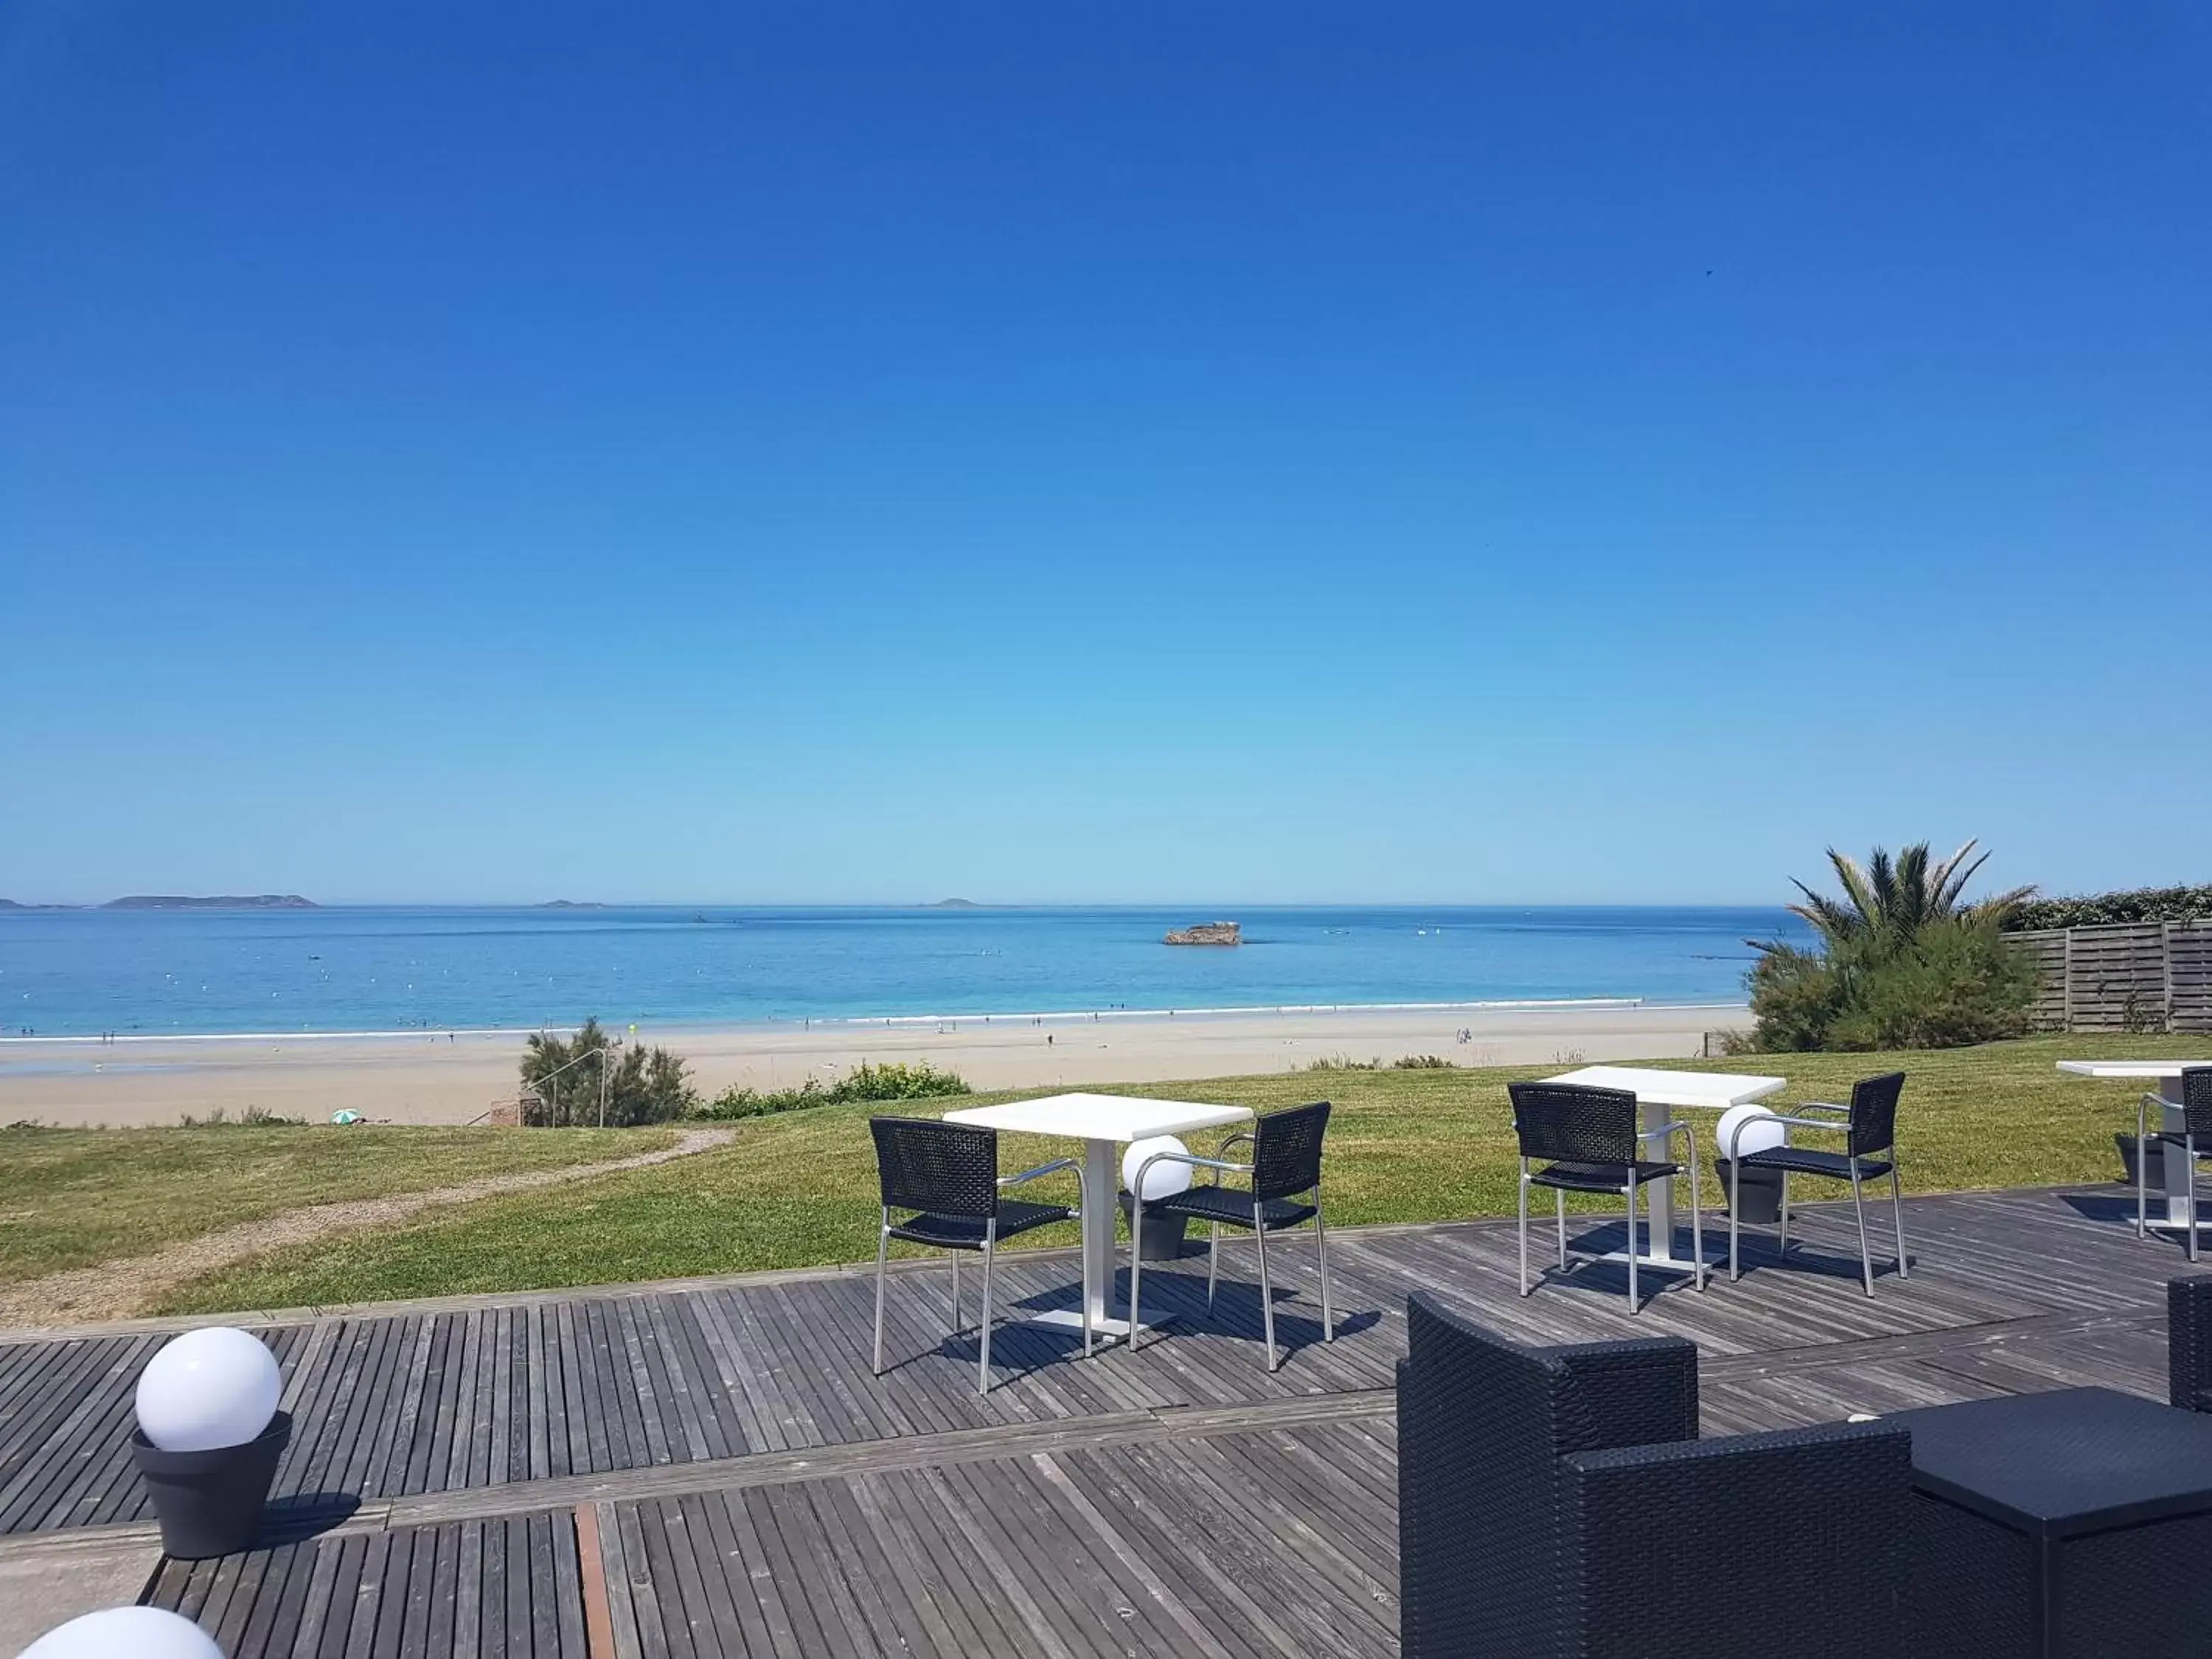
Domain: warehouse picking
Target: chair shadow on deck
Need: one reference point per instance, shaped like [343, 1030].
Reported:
[301, 1515]
[1756, 1250]
[2117, 1208]
[1175, 1297]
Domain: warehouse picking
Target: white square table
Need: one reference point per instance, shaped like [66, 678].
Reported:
[1658, 1093]
[2166, 1074]
[1102, 1123]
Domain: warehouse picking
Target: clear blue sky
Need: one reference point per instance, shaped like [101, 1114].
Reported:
[1267, 450]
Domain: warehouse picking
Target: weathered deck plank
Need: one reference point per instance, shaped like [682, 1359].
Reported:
[756, 1490]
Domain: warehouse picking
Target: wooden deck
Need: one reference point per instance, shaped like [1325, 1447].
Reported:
[713, 1470]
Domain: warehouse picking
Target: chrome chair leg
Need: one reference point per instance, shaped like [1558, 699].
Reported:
[954, 1328]
[2188, 1169]
[1083, 1291]
[1631, 1247]
[1897, 1213]
[2142, 1167]
[1522, 1235]
[1136, 1264]
[983, 1344]
[1697, 1226]
[1267, 1291]
[1212, 1260]
[1735, 1215]
[883, 1255]
[1784, 1212]
[1858, 1208]
[1560, 1194]
[1321, 1253]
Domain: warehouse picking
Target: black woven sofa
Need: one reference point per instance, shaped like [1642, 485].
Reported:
[1558, 1501]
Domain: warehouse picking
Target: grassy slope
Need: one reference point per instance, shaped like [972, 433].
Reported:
[1403, 1146]
[73, 1197]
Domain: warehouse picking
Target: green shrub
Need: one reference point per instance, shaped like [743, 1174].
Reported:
[2102, 910]
[1954, 982]
[563, 1086]
[1903, 962]
[1420, 1063]
[1795, 997]
[253, 1117]
[893, 1080]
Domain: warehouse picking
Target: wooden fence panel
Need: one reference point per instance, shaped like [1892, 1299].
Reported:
[2047, 946]
[2116, 977]
[2189, 976]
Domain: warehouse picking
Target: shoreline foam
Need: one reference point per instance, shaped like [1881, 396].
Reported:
[787, 1022]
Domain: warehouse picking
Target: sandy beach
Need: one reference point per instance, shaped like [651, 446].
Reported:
[441, 1078]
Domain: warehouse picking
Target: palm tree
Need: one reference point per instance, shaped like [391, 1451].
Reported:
[1890, 903]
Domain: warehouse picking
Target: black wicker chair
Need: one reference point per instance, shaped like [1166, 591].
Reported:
[1869, 1126]
[948, 1174]
[2194, 1140]
[1285, 1170]
[1588, 1141]
[1558, 1501]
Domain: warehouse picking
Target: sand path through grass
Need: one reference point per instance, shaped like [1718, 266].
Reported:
[121, 1288]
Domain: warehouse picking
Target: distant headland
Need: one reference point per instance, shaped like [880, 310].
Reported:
[220, 902]
[570, 904]
[953, 904]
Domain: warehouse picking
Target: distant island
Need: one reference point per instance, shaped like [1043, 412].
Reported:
[570, 904]
[220, 902]
[1208, 933]
[953, 904]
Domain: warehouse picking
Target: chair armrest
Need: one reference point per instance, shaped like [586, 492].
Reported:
[1820, 1106]
[1839, 1494]
[1218, 1165]
[1229, 1140]
[1194, 1161]
[1057, 1165]
[1677, 1128]
[1813, 1123]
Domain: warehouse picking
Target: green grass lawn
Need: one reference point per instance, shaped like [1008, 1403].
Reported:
[69, 1198]
[1415, 1146]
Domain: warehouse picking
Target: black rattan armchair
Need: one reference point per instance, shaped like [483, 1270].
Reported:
[1588, 1141]
[948, 1174]
[2193, 1139]
[1868, 1125]
[1558, 1501]
[1285, 1171]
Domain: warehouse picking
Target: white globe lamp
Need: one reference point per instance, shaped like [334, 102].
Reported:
[208, 1389]
[1757, 1137]
[1163, 1179]
[125, 1633]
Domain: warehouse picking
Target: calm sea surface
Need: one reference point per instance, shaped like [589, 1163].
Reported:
[72, 972]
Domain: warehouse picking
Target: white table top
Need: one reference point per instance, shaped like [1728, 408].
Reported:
[1100, 1117]
[1718, 1090]
[2161, 1068]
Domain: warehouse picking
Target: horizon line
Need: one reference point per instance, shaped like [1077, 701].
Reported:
[192, 904]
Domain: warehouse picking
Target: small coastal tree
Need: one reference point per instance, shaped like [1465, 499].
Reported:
[1902, 961]
[562, 1087]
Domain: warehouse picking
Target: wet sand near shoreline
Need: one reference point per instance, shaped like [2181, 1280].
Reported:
[433, 1077]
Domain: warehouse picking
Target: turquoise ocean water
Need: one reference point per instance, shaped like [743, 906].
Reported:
[196, 972]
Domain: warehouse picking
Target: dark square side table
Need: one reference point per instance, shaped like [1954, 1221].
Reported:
[2073, 1523]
